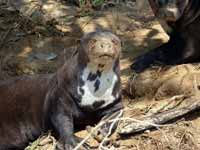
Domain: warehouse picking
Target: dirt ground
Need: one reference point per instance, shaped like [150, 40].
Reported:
[34, 43]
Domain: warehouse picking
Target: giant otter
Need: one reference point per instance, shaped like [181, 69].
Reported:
[181, 20]
[81, 92]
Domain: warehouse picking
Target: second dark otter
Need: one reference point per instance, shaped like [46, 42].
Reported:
[181, 20]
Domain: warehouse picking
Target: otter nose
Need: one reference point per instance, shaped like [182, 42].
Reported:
[106, 47]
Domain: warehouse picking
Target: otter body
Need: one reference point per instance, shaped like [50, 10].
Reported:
[181, 20]
[80, 93]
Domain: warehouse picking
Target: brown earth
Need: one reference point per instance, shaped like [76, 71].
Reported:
[39, 37]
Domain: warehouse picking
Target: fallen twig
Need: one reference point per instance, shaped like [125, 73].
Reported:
[95, 129]
[157, 119]
[110, 131]
[177, 98]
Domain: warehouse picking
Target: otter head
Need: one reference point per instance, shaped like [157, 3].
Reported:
[99, 81]
[170, 10]
[102, 50]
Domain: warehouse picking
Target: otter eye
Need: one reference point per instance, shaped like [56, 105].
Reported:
[101, 45]
[114, 41]
[92, 42]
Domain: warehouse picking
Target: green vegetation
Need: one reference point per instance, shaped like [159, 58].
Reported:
[97, 2]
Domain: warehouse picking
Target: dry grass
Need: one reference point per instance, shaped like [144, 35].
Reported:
[45, 142]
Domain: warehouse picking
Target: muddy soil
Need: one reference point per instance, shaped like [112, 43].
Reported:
[33, 43]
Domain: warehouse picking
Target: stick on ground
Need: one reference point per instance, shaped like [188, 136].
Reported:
[160, 118]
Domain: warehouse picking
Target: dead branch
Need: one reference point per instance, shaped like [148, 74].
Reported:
[160, 118]
[101, 146]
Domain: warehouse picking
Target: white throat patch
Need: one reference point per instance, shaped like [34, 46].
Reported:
[99, 89]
